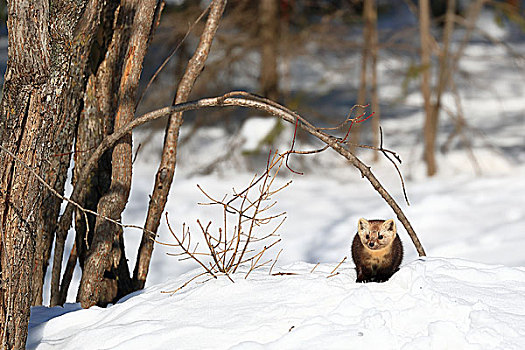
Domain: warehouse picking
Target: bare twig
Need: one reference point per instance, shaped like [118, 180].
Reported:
[394, 163]
[170, 56]
[171, 292]
[186, 249]
[340, 263]
[229, 251]
[68, 200]
[313, 269]
[291, 149]
[349, 118]
[275, 261]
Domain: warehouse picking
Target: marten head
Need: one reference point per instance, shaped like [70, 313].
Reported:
[376, 234]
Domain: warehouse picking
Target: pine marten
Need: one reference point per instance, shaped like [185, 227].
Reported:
[377, 250]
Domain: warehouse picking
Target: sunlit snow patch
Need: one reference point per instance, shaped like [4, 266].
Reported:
[431, 303]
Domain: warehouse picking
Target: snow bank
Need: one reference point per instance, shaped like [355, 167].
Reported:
[431, 303]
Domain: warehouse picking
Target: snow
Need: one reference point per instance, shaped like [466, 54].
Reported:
[469, 293]
[253, 132]
[431, 303]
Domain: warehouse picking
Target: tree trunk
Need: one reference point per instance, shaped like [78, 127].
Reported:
[134, 24]
[22, 134]
[41, 99]
[90, 131]
[269, 36]
[371, 15]
[365, 55]
[166, 171]
[430, 126]
[444, 66]
[70, 53]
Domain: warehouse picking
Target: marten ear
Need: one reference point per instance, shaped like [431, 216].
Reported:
[363, 226]
[388, 228]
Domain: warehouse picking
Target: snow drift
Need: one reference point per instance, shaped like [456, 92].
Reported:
[431, 303]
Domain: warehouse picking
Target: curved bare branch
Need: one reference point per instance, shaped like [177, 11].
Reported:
[242, 99]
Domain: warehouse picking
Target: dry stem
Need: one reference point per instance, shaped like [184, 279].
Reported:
[230, 248]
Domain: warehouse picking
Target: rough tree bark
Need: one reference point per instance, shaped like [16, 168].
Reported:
[70, 52]
[166, 170]
[48, 46]
[95, 122]
[136, 19]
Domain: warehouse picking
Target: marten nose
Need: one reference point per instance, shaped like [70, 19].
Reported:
[371, 244]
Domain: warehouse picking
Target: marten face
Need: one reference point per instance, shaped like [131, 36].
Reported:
[376, 234]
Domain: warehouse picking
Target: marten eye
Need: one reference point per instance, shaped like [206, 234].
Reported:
[380, 236]
[367, 236]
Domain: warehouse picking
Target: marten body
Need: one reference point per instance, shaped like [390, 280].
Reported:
[377, 250]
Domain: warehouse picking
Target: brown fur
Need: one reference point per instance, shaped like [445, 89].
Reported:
[377, 250]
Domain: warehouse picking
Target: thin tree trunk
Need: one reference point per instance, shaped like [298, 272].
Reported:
[136, 18]
[452, 66]
[444, 66]
[430, 126]
[68, 274]
[374, 52]
[96, 122]
[444, 76]
[166, 170]
[365, 55]
[40, 105]
[269, 36]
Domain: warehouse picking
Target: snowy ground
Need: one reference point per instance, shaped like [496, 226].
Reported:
[431, 303]
[468, 294]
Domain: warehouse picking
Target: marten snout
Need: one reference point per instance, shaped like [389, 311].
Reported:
[371, 244]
